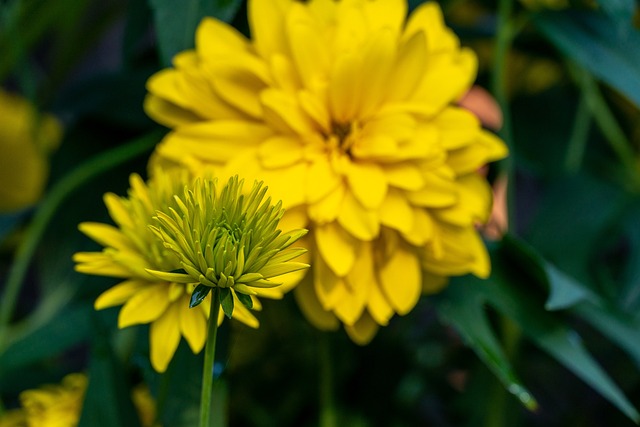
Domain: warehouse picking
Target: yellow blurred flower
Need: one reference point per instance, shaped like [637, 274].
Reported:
[131, 249]
[25, 140]
[347, 112]
[60, 405]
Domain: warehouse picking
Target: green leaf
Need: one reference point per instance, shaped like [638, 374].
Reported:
[245, 300]
[564, 291]
[620, 10]
[176, 22]
[226, 301]
[615, 325]
[606, 47]
[511, 295]
[68, 328]
[107, 401]
[199, 294]
[466, 313]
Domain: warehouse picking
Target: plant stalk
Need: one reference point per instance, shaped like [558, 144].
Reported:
[209, 359]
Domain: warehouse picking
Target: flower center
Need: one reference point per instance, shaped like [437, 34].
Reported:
[345, 134]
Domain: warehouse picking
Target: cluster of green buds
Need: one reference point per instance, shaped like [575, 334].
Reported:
[227, 239]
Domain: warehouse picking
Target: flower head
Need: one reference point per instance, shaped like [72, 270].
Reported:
[227, 240]
[25, 140]
[132, 251]
[348, 110]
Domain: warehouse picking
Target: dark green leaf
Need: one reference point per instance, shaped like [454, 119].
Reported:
[245, 299]
[620, 10]
[607, 48]
[199, 294]
[466, 313]
[69, 327]
[510, 294]
[226, 301]
[108, 398]
[176, 21]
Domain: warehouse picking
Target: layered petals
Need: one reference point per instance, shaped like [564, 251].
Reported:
[352, 119]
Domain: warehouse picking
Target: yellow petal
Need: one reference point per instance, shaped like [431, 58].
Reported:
[308, 49]
[401, 280]
[330, 288]
[106, 235]
[117, 210]
[308, 302]
[239, 87]
[243, 314]
[409, 68]
[322, 180]
[214, 37]
[167, 113]
[368, 184]
[344, 88]
[119, 293]
[316, 109]
[99, 264]
[486, 148]
[405, 175]
[462, 252]
[164, 337]
[438, 191]
[358, 221]
[445, 80]
[326, 210]
[282, 111]
[193, 324]
[266, 21]
[396, 212]
[422, 230]
[458, 127]
[337, 247]
[216, 141]
[378, 306]
[473, 205]
[286, 184]
[280, 151]
[375, 71]
[145, 306]
[359, 282]
[428, 18]
[363, 331]
[388, 14]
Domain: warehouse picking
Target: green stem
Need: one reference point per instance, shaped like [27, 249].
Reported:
[47, 209]
[497, 402]
[606, 121]
[506, 31]
[327, 406]
[209, 359]
[579, 136]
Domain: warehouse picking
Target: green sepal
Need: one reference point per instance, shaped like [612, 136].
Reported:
[199, 294]
[245, 299]
[226, 301]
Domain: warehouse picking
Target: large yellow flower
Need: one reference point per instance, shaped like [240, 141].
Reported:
[347, 110]
[131, 251]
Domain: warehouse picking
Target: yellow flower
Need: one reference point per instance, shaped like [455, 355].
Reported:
[131, 250]
[347, 109]
[60, 405]
[227, 240]
[50, 405]
[25, 139]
